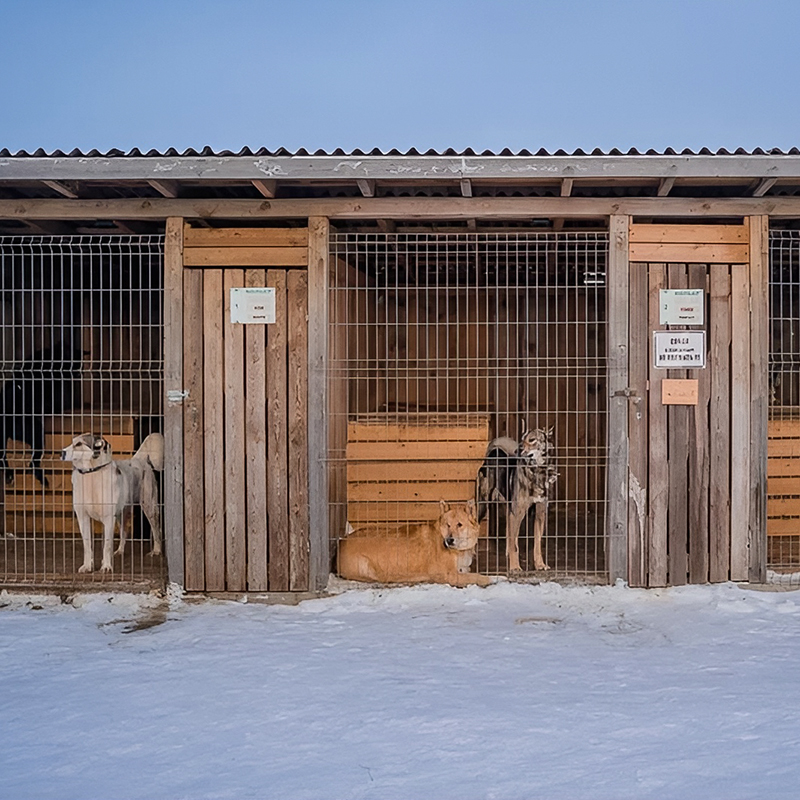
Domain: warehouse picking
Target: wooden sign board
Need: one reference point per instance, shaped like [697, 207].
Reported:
[679, 392]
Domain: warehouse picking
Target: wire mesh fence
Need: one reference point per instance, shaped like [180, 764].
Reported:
[441, 344]
[81, 320]
[783, 503]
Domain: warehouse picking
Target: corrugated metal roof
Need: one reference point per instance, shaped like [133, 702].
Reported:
[449, 153]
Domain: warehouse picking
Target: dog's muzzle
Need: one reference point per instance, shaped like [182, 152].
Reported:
[449, 542]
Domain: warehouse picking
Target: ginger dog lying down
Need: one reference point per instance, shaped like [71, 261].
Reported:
[439, 551]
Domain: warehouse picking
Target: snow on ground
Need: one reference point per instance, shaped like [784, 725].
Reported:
[513, 691]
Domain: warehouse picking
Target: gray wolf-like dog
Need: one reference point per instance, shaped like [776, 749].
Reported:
[518, 476]
[106, 490]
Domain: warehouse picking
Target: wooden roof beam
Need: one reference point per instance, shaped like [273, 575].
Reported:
[62, 189]
[267, 188]
[665, 186]
[367, 187]
[763, 186]
[165, 188]
[566, 186]
[466, 187]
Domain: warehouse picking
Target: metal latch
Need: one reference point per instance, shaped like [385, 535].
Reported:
[627, 392]
[177, 395]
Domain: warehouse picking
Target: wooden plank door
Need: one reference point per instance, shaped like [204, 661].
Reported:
[246, 505]
[695, 476]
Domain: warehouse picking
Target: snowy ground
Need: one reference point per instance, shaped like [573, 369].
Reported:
[513, 691]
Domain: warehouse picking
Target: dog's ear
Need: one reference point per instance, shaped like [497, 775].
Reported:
[99, 446]
[444, 506]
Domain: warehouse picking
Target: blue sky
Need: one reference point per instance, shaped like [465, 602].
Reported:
[390, 73]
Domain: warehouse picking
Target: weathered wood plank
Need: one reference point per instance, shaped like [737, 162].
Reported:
[699, 454]
[173, 412]
[697, 234]
[678, 466]
[638, 426]
[194, 496]
[214, 426]
[246, 257]
[740, 422]
[297, 345]
[784, 448]
[413, 471]
[782, 466]
[719, 500]
[277, 440]
[235, 495]
[433, 208]
[618, 351]
[687, 252]
[256, 445]
[658, 467]
[415, 451]
[777, 486]
[759, 397]
[245, 237]
[783, 527]
[776, 506]
[319, 413]
[783, 428]
[415, 491]
[394, 432]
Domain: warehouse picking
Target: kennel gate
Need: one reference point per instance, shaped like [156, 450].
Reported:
[696, 494]
[82, 341]
[440, 342]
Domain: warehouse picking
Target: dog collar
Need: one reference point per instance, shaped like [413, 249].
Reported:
[93, 469]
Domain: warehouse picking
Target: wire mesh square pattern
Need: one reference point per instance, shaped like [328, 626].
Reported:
[81, 353]
[440, 343]
[783, 470]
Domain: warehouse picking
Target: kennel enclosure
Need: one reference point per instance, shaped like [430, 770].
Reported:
[425, 304]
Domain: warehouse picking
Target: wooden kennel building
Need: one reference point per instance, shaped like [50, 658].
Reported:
[643, 306]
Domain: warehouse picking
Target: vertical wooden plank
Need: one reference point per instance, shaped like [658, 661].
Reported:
[318, 286]
[256, 445]
[740, 421]
[214, 423]
[658, 470]
[235, 436]
[618, 344]
[173, 411]
[719, 500]
[699, 453]
[638, 427]
[193, 490]
[277, 444]
[759, 397]
[678, 466]
[297, 316]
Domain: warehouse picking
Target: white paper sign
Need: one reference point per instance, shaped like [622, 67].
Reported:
[679, 349]
[681, 306]
[253, 305]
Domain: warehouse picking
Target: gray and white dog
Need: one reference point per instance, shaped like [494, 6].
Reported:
[518, 475]
[106, 490]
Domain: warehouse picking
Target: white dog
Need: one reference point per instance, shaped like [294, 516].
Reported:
[106, 490]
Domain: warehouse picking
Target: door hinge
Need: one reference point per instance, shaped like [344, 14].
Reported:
[177, 395]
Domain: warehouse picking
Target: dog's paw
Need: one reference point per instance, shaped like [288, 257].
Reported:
[105, 568]
[541, 567]
[156, 551]
[86, 568]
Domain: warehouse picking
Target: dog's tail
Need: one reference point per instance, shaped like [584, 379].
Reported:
[152, 449]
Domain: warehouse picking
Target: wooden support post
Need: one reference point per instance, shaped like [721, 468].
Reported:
[318, 278]
[759, 397]
[617, 473]
[173, 410]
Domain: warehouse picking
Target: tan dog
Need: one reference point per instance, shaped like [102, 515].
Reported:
[439, 551]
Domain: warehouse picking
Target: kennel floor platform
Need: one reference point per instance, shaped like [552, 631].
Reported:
[53, 563]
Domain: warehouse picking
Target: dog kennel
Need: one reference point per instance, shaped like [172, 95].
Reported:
[425, 304]
[441, 342]
[81, 353]
[783, 481]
